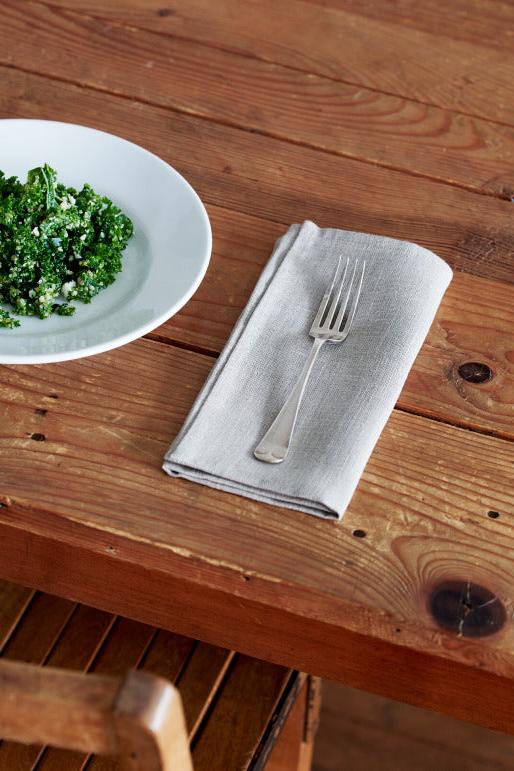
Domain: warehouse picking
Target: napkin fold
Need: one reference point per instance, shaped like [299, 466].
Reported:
[352, 389]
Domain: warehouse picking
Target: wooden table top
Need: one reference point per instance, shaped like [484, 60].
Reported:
[394, 118]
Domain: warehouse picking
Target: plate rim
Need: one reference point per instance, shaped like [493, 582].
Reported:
[143, 329]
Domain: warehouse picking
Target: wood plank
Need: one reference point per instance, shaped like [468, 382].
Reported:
[303, 581]
[240, 715]
[200, 681]
[265, 177]
[344, 119]
[14, 600]
[362, 731]
[334, 42]
[483, 22]
[75, 649]
[244, 242]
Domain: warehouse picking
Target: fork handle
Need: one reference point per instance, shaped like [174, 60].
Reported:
[274, 445]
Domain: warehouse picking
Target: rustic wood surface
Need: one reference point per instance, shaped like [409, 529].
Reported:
[375, 116]
[234, 708]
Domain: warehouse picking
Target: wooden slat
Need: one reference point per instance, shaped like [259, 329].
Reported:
[199, 682]
[185, 547]
[265, 177]
[76, 647]
[278, 101]
[240, 715]
[167, 655]
[337, 43]
[14, 600]
[33, 639]
[286, 754]
[139, 717]
[123, 649]
[198, 685]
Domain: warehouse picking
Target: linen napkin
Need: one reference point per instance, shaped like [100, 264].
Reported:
[351, 391]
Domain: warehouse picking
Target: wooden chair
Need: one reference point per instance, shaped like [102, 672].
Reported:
[83, 689]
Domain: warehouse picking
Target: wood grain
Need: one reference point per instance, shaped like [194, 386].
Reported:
[362, 731]
[200, 681]
[278, 101]
[265, 177]
[167, 655]
[481, 22]
[286, 753]
[14, 600]
[43, 622]
[75, 649]
[424, 528]
[337, 43]
[242, 711]
[122, 649]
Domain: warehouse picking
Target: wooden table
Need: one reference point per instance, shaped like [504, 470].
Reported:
[394, 118]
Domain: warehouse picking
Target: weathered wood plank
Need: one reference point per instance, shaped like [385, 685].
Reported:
[337, 43]
[265, 177]
[278, 101]
[422, 506]
[482, 22]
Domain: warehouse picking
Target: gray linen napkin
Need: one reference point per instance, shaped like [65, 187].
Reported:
[353, 386]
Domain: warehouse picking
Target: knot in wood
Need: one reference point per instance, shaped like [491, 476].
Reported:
[475, 372]
[468, 609]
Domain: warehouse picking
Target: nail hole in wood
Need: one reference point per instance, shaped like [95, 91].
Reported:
[41, 411]
[475, 372]
[397, 630]
[246, 578]
[38, 437]
[54, 396]
[163, 12]
[493, 514]
[359, 533]
[467, 609]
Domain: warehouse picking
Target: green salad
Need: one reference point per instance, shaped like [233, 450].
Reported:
[56, 245]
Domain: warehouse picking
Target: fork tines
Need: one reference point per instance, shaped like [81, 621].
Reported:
[337, 310]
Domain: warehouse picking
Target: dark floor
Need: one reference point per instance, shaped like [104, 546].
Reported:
[361, 732]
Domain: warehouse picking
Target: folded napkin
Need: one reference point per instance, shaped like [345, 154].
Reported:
[352, 389]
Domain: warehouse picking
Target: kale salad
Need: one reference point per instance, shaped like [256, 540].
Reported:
[56, 245]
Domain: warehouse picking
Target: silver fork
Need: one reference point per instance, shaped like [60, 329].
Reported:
[333, 326]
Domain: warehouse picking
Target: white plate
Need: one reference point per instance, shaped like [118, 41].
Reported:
[165, 259]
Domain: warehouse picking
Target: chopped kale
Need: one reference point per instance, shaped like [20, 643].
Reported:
[55, 243]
